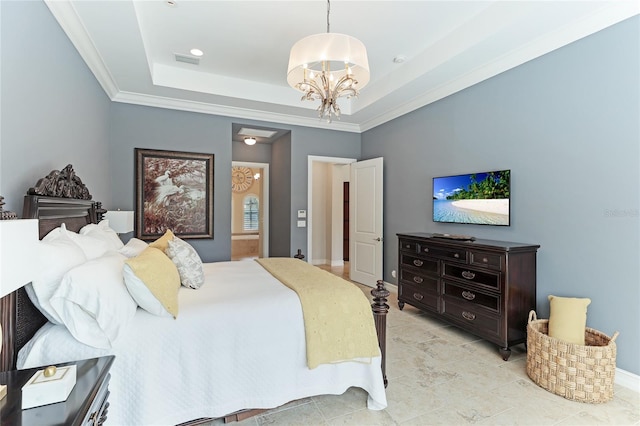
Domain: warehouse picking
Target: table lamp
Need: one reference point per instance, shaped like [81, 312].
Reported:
[120, 221]
[18, 243]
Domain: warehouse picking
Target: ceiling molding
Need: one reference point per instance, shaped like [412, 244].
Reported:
[234, 112]
[68, 18]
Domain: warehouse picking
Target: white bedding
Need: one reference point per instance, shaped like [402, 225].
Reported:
[238, 343]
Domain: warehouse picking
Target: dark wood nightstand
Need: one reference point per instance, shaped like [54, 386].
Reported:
[87, 404]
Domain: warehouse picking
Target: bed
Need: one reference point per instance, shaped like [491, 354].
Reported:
[237, 345]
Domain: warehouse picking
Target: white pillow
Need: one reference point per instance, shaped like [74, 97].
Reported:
[133, 247]
[92, 247]
[186, 259]
[103, 232]
[53, 259]
[93, 302]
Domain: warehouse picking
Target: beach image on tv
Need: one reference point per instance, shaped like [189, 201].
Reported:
[478, 198]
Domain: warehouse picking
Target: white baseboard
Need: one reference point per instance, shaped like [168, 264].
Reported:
[318, 261]
[627, 380]
[337, 263]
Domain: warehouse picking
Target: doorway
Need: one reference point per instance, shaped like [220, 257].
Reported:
[325, 218]
[249, 210]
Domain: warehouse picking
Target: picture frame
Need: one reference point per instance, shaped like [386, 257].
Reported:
[174, 190]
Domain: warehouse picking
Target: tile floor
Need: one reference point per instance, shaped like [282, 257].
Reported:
[441, 375]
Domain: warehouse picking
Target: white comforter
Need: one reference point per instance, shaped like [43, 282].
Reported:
[238, 342]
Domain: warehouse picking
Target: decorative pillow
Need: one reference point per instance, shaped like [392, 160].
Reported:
[54, 257]
[93, 302]
[103, 232]
[186, 259]
[153, 281]
[568, 318]
[163, 242]
[133, 248]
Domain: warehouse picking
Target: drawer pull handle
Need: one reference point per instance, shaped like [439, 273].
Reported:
[485, 260]
[426, 249]
[468, 315]
[468, 295]
[418, 280]
[418, 262]
[468, 275]
[407, 246]
[456, 255]
[418, 296]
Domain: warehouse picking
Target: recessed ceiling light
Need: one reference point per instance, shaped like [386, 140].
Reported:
[196, 52]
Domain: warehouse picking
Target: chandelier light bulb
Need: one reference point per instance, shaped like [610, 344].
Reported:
[250, 140]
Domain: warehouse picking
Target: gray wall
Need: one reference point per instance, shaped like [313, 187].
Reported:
[280, 200]
[53, 111]
[258, 153]
[567, 125]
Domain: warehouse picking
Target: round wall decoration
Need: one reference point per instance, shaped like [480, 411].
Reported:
[241, 178]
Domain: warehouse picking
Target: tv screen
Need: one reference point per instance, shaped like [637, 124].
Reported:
[475, 198]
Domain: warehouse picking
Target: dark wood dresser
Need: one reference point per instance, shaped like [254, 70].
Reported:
[87, 403]
[485, 287]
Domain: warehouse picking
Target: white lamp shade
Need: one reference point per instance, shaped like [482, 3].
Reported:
[336, 49]
[120, 221]
[18, 247]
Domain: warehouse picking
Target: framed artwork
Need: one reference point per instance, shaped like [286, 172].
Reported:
[174, 190]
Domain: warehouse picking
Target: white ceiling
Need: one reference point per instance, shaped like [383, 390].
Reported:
[449, 45]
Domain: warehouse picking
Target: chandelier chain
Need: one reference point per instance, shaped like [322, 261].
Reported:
[328, 10]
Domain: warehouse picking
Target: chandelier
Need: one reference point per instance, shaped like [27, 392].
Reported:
[326, 67]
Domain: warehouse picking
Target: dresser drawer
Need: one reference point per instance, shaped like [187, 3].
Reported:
[455, 254]
[471, 316]
[486, 279]
[408, 246]
[419, 280]
[465, 295]
[431, 266]
[487, 260]
[418, 297]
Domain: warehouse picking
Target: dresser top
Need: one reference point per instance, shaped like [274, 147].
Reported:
[478, 243]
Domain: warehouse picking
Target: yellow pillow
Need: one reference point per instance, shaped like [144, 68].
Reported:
[153, 281]
[163, 242]
[568, 318]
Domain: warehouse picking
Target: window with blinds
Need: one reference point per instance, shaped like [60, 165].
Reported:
[251, 211]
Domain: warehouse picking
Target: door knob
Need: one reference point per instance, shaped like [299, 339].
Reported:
[377, 239]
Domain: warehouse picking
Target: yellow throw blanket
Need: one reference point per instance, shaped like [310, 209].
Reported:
[338, 320]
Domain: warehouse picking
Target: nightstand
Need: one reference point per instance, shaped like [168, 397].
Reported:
[87, 404]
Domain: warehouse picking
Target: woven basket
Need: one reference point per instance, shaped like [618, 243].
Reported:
[583, 373]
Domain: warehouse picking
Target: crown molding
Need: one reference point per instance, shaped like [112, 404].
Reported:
[68, 19]
[235, 112]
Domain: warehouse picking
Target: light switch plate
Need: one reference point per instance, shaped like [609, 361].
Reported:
[302, 223]
[302, 214]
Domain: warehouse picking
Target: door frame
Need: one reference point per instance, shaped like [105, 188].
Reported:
[264, 203]
[310, 160]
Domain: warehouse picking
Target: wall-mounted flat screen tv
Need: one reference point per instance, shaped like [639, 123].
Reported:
[474, 198]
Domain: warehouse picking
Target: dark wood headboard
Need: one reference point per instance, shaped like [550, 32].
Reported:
[20, 319]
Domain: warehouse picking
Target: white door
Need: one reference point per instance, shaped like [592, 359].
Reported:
[365, 222]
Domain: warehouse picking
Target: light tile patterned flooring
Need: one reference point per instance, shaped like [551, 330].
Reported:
[439, 374]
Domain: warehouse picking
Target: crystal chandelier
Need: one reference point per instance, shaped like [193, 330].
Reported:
[326, 67]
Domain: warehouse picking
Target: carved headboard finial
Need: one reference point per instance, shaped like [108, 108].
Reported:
[61, 183]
